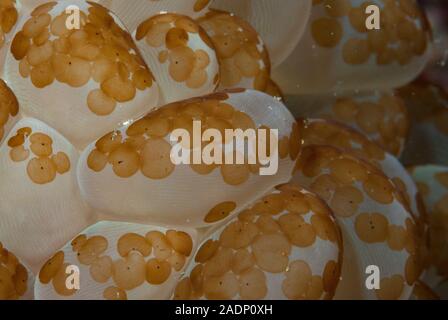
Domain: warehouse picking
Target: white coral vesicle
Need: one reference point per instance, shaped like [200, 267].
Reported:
[286, 246]
[338, 44]
[45, 203]
[81, 81]
[136, 158]
[181, 55]
[118, 261]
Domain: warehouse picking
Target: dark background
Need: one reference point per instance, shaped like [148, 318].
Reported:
[437, 70]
